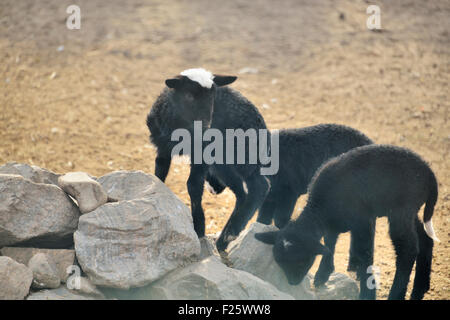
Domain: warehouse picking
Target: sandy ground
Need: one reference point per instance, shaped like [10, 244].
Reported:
[76, 100]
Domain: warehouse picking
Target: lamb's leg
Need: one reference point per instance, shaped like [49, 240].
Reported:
[364, 236]
[267, 210]
[162, 166]
[353, 261]
[233, 180]
[326, 266]
[257, 187]
[286, 200]
[405, 240]
[423, 263]
[195, 189]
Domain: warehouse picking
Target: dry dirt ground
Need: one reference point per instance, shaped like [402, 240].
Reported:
[76, 100]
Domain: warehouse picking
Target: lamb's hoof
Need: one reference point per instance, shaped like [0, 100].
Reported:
[416, 296]
[352, 267]
[221, 245]
[319, 285]
[319, 281]
[223, 241]
[225, 259]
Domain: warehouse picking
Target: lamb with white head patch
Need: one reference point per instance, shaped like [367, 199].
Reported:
[198, 95]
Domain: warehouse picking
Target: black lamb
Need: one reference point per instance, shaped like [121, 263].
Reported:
[197, 95]
[348, 193]
[301, 152]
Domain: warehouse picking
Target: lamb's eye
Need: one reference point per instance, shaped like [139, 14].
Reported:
[189, 96]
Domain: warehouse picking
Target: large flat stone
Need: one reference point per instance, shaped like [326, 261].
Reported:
[133, 242]
[33, 173]
[208, 279]
[35, 214]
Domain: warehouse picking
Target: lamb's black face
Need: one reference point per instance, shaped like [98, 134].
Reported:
[193, 102]
[295, 255]
[193, 95]
[294, 258]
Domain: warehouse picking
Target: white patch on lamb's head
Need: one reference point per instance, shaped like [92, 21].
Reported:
[286, 243]
[199, 75]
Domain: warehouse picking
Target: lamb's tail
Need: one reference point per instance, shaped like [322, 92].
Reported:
[429, 208]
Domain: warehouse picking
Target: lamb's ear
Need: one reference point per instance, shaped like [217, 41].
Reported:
[173, 83]
[223, 80]
[267, 237]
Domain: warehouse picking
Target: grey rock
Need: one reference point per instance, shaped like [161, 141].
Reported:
[87, 288]
[15, 279]
[339, 287]
[61, 293]
[88, 192]
[129, 185]
[250, 255]
[209, 279]
[208, 247]
[35, 214]
[33, 173]
[131, 243]
[62, 258]
[45, 274]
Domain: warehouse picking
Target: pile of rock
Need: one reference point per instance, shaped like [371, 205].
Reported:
[125, 235]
